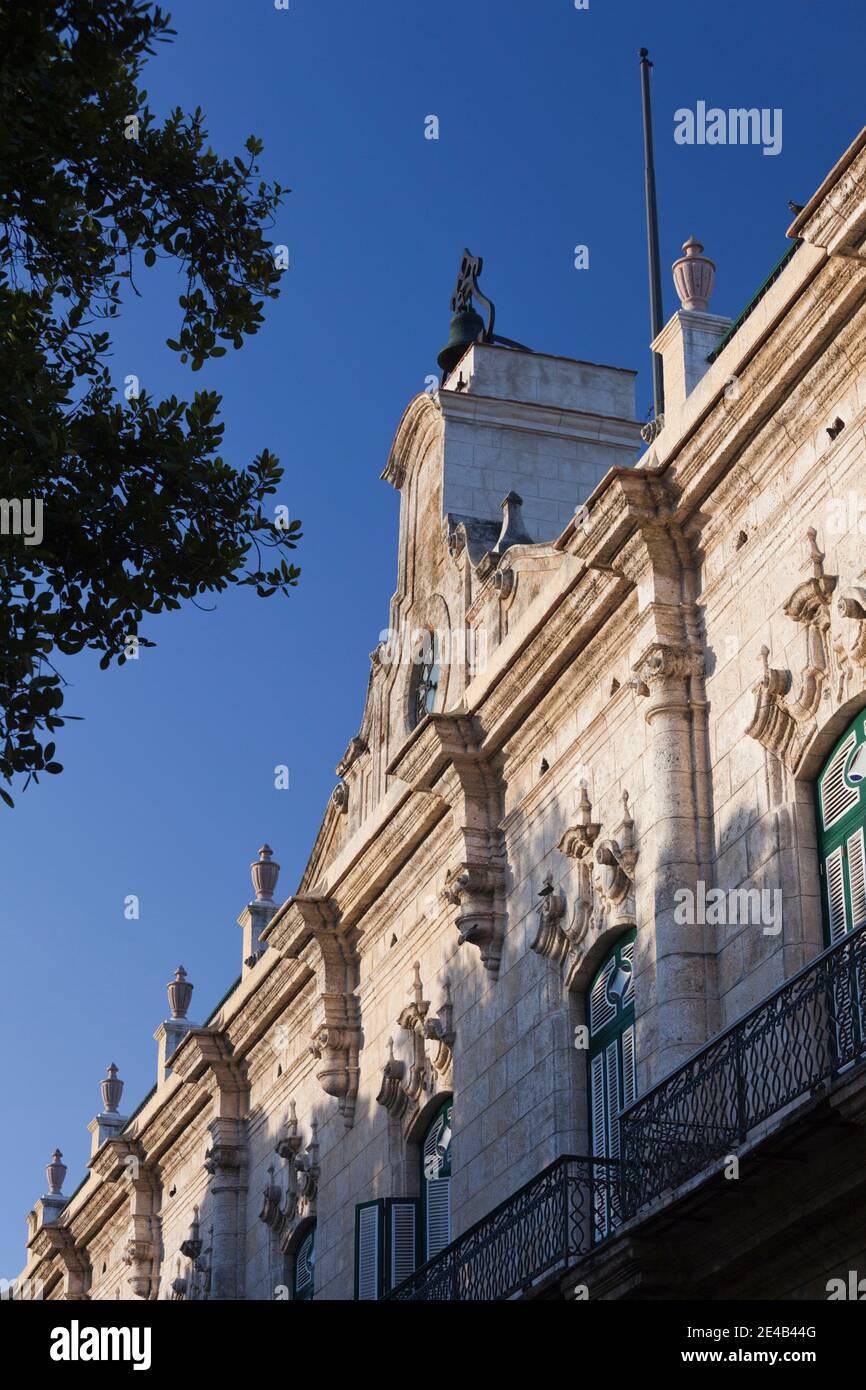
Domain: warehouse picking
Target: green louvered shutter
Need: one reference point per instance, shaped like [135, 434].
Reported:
[403, 1230]
[303, 1279]
[612, 1076]
[369, 1250]
[841, 811]
[436, 1183]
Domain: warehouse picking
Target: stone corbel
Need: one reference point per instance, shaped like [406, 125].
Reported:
[59, 1240]
[311, 929]
[141, 1253]
[475, 889]
[445, 756]
[120, 1158]
[403, 1087]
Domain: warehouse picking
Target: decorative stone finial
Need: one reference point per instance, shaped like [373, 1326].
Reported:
[112, 1090]
[265, 871]
[694, 276]
[179, 993]
[816, 556]
[55, 1171]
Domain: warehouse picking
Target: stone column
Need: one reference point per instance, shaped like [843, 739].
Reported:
[226, 1161]
[684, 993]
[205, 1058]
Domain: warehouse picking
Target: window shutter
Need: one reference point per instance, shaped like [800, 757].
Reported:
[304, 1267]
[857, 878]
[628, 955]
[438, 1216]
[601, 1009]
[837, 798]
[402, 1214]
[599, 1138]
[611, 1061]
[836, 895]
[368, 1251]
[436, 1169]
[629, 1078]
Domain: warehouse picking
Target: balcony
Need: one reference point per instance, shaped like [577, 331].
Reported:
[802, 1038]
[799, 1043]
[542, 1229]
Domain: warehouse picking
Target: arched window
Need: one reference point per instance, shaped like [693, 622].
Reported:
[612, 1084]
[841, 820]
[424, 682]
[436, 1183]
[304, 1267]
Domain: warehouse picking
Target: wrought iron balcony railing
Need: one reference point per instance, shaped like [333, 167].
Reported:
[807, 1033]
[546, 1225]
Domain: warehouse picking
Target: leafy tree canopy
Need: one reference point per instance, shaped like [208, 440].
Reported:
[138, 509]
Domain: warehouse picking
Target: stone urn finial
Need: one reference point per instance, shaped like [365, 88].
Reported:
[179, 993]
[112, 1090]
[265, 871]
[55, 1171]
[694, 276]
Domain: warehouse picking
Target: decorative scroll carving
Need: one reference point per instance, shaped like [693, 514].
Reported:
[604, 900]
[474, 890]
[284, 1208]
[340, 797]
[432, 1043]
[550, 939]
[835, 654]
[849, 638]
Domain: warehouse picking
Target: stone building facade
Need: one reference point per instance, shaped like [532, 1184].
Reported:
[571, 998]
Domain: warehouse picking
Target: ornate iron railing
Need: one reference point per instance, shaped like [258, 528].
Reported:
[807, 1033]
[547, 1224]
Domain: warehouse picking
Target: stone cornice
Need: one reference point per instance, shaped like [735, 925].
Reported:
[835, 216]
[537, 418]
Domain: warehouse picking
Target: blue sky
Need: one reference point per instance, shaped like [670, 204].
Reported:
[168, 788]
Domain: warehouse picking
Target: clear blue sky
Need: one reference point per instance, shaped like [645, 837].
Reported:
[168, 784]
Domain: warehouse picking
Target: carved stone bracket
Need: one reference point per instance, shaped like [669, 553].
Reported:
[311, 930]
[445, 755]
[605, 897]
[475, 889]
[835, 657]
[119, 1159]
[432, 1042]
[285, 1207]
[59, 1240]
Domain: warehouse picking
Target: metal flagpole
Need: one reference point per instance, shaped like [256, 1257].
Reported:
[652, 232]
